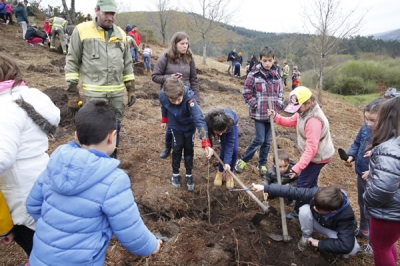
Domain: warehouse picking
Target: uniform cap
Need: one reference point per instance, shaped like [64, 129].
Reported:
[297, 97]
[107, 5]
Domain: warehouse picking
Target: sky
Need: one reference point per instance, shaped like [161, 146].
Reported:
[280, 15]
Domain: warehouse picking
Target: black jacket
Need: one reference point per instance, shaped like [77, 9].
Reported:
[31, 33]
[343, 222]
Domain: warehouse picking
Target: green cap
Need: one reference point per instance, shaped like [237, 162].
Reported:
[107, 5]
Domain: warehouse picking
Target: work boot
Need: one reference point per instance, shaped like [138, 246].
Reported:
[303, 243]
[165, 152]
[176, 180]
[218, 179]
[262, 170]
[189, 182]
[151, 72]
[229, 181]
[240, 165]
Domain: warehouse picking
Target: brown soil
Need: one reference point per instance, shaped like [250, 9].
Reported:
[209, 226]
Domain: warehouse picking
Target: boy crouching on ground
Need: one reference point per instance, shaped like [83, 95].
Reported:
[180, 110]
[328, 212]
[82, 198]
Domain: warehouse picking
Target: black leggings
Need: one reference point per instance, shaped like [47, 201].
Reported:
[23, 236]
[185, 143]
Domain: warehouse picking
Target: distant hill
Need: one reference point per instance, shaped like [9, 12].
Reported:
[388, 35]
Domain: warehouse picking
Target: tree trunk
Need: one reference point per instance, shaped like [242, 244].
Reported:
[321, 68]
[64, 3]
[72, 11]
[204, 51]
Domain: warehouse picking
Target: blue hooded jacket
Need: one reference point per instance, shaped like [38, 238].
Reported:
[184, 117]
[79, 202]
[357, 149]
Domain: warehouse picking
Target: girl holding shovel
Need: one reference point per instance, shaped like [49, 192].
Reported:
[224, 123]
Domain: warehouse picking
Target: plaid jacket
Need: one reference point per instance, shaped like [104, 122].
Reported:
[259, 86]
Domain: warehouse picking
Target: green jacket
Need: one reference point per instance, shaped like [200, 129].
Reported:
[58, 22]
[285, 70]
[103, 64]
[131, 42]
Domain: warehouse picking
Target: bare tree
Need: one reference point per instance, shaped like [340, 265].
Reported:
[330, 24]
[212, 12]
[164, 15]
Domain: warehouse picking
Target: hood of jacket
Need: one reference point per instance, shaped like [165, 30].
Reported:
[74, 169]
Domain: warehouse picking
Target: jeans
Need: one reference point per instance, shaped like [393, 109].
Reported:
[135, 54]
[383, 237]
[261, 141]
[308, 224]
[224, 141]
[146, 61]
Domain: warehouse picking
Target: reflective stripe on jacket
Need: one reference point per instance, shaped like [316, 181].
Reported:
[58, 22]
[103, 63]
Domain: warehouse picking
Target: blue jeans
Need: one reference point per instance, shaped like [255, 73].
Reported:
[135, 54]
[146, 61]
[261, 141]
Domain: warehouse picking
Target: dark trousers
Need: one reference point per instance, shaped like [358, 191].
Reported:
[308, 178]
[9, 17]
[23, 236]
[224, 142]
[185, 143]
[364, 216]
[168, 138]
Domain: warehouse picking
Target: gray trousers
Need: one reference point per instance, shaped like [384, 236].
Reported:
[309, 224]
[364, 216]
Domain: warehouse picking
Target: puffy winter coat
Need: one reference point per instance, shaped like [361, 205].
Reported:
[20, 14]
[23, 147]
[382, 196]
[79, 202]
[343, 221]
[358, 149]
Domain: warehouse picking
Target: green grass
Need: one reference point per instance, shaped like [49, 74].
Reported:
[356, 100]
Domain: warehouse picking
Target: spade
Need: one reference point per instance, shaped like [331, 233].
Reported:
[343, 155]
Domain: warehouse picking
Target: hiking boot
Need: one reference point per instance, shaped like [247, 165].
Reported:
[218, 179]
[229, 181]
[262, 170]
[240, 165]
[176, 180]
[189, 182]
[362, 233]
[165, 152]
[303, 243]
[367, 249]
[291, 215]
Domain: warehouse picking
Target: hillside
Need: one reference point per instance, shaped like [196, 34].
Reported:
[209, 226]
[392, 35]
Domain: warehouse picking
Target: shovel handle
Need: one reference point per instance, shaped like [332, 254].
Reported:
[263, 206]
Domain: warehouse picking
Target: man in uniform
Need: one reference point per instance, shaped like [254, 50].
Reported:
[98, 51]
[285, 72]
[58, 26]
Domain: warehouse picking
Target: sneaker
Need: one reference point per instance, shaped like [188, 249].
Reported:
[291, 215]
[218, 179]
[240, 165]
[41, 44]
[31, 44]
[303, 243]
[362, 233]
[189, 182]
[176, 180]
[367, 249]
[7, 22]
[229, 181]
[165, 152]
[262, 170]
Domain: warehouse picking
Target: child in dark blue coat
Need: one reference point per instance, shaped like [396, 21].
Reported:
[180, 110]
[357, 154]
[224, 123]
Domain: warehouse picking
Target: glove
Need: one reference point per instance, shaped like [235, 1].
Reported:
[131, 99]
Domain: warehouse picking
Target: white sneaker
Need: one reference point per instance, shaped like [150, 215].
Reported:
[7, 22]
[41, 44]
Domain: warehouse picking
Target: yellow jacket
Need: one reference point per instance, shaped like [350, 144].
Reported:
[6, 223]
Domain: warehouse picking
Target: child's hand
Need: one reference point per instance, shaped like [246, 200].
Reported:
[158, 246]
[257, 188]
[209, 152]
[348, 162]
[365, 175]
[227, 167]
[8, 238]
[164, 125]
[367, 154]
[313, 242]
[271, 112]
[292, 174]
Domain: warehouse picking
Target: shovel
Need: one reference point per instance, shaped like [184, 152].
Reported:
[343, 155]
[285, 236]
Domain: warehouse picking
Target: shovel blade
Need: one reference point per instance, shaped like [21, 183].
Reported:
[279, 238]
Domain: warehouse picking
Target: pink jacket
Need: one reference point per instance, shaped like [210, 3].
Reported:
[9, 8]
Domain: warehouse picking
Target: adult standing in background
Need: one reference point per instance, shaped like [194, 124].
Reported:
[22, 20]
[99, 52]
[136, 37]
[382, 195]
[285, 72]
[177, 61]
[231, 60]
[30, 12]
[58, 26]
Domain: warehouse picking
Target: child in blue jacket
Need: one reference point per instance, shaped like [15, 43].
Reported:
[180, 110]
[356, 154]
[83, 198]
[224, 123]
